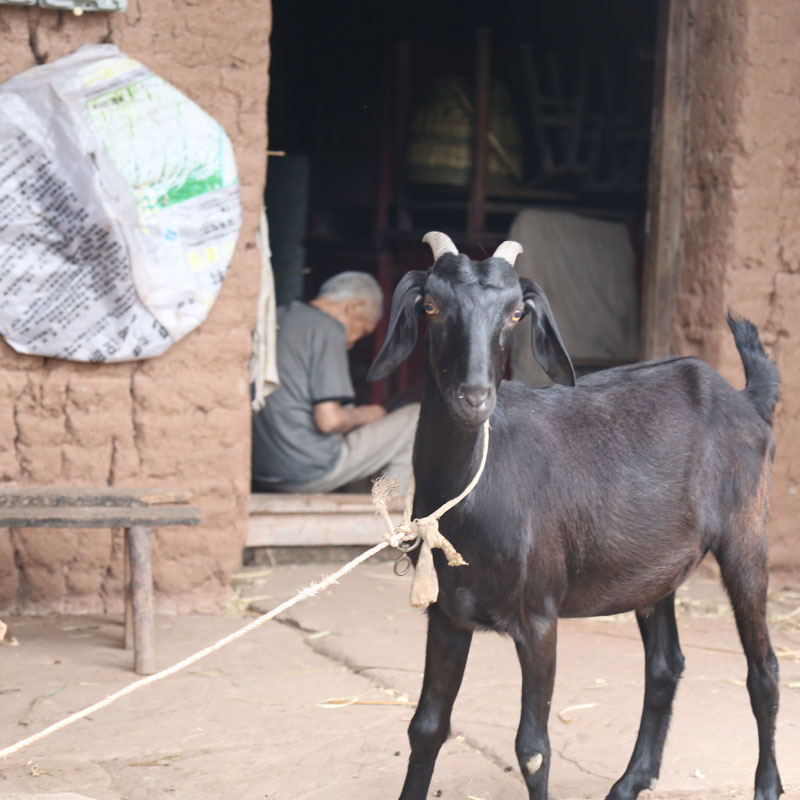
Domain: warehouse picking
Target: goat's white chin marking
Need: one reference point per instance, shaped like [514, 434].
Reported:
[534, 763]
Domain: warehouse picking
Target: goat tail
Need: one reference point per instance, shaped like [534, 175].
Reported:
[762, 379]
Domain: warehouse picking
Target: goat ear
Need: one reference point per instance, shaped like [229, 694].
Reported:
[548, 347]
[401, 334]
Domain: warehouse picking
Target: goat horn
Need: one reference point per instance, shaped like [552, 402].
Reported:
[440, 243]
[509, 251]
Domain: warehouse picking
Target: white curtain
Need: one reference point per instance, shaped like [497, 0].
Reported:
[263, 365]
[587, 269]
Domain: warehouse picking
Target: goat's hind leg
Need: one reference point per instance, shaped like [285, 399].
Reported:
[745, 575]
[445, 658]
[663, 668]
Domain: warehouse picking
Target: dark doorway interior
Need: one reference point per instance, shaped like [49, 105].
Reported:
[403, 116]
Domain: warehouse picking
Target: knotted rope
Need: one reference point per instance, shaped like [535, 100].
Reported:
[423, 532]
[425, 581]
[304, 594]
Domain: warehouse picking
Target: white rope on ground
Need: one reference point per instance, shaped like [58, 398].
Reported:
[394, 534]
[304, 594]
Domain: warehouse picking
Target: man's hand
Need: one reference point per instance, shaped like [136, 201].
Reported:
[333, 417]
[370, 413]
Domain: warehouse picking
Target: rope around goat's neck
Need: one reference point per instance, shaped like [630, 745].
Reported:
[425, 532]
[443, 509]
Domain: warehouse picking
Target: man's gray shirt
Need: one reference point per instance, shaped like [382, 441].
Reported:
[312, 368]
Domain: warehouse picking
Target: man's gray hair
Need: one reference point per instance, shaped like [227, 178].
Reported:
[354, 284]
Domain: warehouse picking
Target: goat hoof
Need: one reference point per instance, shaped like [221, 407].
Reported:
[629, 787]
[768, 784]
[772, 793]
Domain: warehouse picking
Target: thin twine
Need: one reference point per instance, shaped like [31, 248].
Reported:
[440, 512]
[473, 483]
[423, 533]
[304, 594]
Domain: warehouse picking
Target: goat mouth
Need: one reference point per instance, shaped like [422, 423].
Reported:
[471, 417]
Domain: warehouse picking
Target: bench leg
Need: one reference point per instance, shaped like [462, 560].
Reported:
[126, 547]
[142, 599]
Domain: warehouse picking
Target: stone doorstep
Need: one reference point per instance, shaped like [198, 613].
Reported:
[316, 520]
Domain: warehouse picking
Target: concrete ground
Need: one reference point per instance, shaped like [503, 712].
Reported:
[316, 705]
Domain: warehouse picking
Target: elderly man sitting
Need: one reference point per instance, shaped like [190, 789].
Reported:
[309, 436]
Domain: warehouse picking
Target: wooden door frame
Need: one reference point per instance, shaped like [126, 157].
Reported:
[666, 181]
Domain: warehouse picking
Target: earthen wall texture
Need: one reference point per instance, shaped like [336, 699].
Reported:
[741, 237]
[182, 419]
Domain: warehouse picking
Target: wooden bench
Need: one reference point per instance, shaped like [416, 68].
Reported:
[134, 510]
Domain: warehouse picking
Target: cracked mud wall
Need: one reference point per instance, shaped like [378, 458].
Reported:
[741, 238]
[182, 419]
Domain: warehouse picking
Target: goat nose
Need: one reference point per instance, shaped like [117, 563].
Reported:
[475, 396]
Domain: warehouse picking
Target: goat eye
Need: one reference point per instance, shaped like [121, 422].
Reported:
[516, 314]
[430, 307]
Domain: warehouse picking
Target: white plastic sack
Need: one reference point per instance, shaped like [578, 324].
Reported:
[119, 209]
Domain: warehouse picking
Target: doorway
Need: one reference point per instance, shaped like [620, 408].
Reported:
[481, 120]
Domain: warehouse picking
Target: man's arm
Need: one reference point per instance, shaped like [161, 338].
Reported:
[333, 417]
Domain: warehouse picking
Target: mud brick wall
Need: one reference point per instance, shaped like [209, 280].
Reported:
[181, 419]
[741, 244]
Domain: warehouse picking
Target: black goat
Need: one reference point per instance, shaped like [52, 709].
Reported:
[596, 499]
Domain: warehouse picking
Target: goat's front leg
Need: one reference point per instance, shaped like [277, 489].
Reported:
[663, 668]
[445, 658]
[537, 657]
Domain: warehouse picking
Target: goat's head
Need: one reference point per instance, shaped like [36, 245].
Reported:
[472, 308]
